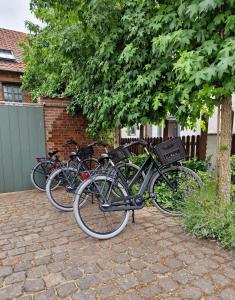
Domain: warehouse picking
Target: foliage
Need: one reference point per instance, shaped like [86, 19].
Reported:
[197, 165]
[194, 164]
[205, 217]
[133, 61]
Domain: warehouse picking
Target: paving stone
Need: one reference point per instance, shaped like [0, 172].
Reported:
[220, 279]
[37, 272]
[84, 295]
[66, 289]
[46, 295]
[11, 292]
[87, 282]
[122, 269]
[53, 279]
[205, 285]
[167, 284]
[127, 282]
[15, 277]
[190, 293]
[16, 251]
[34, 285]
[106, 291]
[122, 258]
[173, 263]
[182, 276]
[129, 296]
[146, 276]
[137, 265]
[72, 274]
[25, 298]
[150, 292]
[4, 271]
[159, 268]
[228, 294]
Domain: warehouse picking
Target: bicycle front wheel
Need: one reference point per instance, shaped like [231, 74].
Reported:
[61, 187]
[89, 196]
[171, 200]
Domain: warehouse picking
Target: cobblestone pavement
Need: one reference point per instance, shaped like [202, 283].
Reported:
[44, 255]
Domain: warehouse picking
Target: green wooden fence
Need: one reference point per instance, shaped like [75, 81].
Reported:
[22, 138]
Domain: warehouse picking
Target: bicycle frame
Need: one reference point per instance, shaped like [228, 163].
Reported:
[151, 165]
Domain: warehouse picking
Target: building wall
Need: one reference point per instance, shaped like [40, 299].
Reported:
[12, 77]
[61, 126]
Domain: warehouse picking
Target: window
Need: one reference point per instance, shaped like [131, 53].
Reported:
[7, 54]
[131, 131]
[12, 93]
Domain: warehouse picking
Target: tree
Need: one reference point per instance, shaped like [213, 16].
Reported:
[136, 61]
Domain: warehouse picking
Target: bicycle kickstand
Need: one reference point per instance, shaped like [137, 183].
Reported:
[133, 216]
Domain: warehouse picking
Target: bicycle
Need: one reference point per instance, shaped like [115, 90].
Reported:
[107, 198]
[46, 165]
[67, 178]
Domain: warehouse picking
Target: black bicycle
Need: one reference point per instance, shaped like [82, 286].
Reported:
[46, 165]
[108, 198]
[63, 182]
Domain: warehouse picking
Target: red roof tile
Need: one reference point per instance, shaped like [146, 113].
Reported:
[9, 39]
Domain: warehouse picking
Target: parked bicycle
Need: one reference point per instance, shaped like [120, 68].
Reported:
[67, 178]
[46, 165]
[103, 201]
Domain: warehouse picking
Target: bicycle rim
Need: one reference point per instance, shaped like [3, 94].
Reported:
[40, 174]
[185, 183]
[92, 220]
[61, 187]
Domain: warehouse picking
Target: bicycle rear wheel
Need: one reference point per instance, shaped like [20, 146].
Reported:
[40, 174]
[61, 187]
[89, 196]
[170, 201]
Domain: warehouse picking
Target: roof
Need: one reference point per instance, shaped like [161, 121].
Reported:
[9, 39]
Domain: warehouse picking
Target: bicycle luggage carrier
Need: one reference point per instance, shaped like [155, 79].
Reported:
[119, 154]
[170, 151]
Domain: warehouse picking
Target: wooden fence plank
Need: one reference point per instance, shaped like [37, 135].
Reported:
[191, 144]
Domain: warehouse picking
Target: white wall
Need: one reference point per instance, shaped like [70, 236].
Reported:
[157, 131]
[212, 124]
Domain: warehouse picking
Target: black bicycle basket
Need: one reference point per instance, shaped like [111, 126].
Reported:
[119, 154]
[85, 152]
[170, 151]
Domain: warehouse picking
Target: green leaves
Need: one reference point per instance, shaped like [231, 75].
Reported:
[133, 61]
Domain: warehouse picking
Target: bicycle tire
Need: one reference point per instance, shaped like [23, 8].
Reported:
[165, 199]
[80, 209]
[40, 183]
[61, 197]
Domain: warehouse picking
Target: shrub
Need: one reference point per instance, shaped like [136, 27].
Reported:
[205, 217]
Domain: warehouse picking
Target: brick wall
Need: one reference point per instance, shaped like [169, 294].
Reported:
[12, 77]
[60, 126]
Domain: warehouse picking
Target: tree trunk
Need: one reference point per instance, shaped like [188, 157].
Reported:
[203, 140]
[224, 169]
[165, 130]
[141, 131]
[117, 137]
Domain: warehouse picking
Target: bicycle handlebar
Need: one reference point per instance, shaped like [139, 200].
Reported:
[99, 143]
[138, 142]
